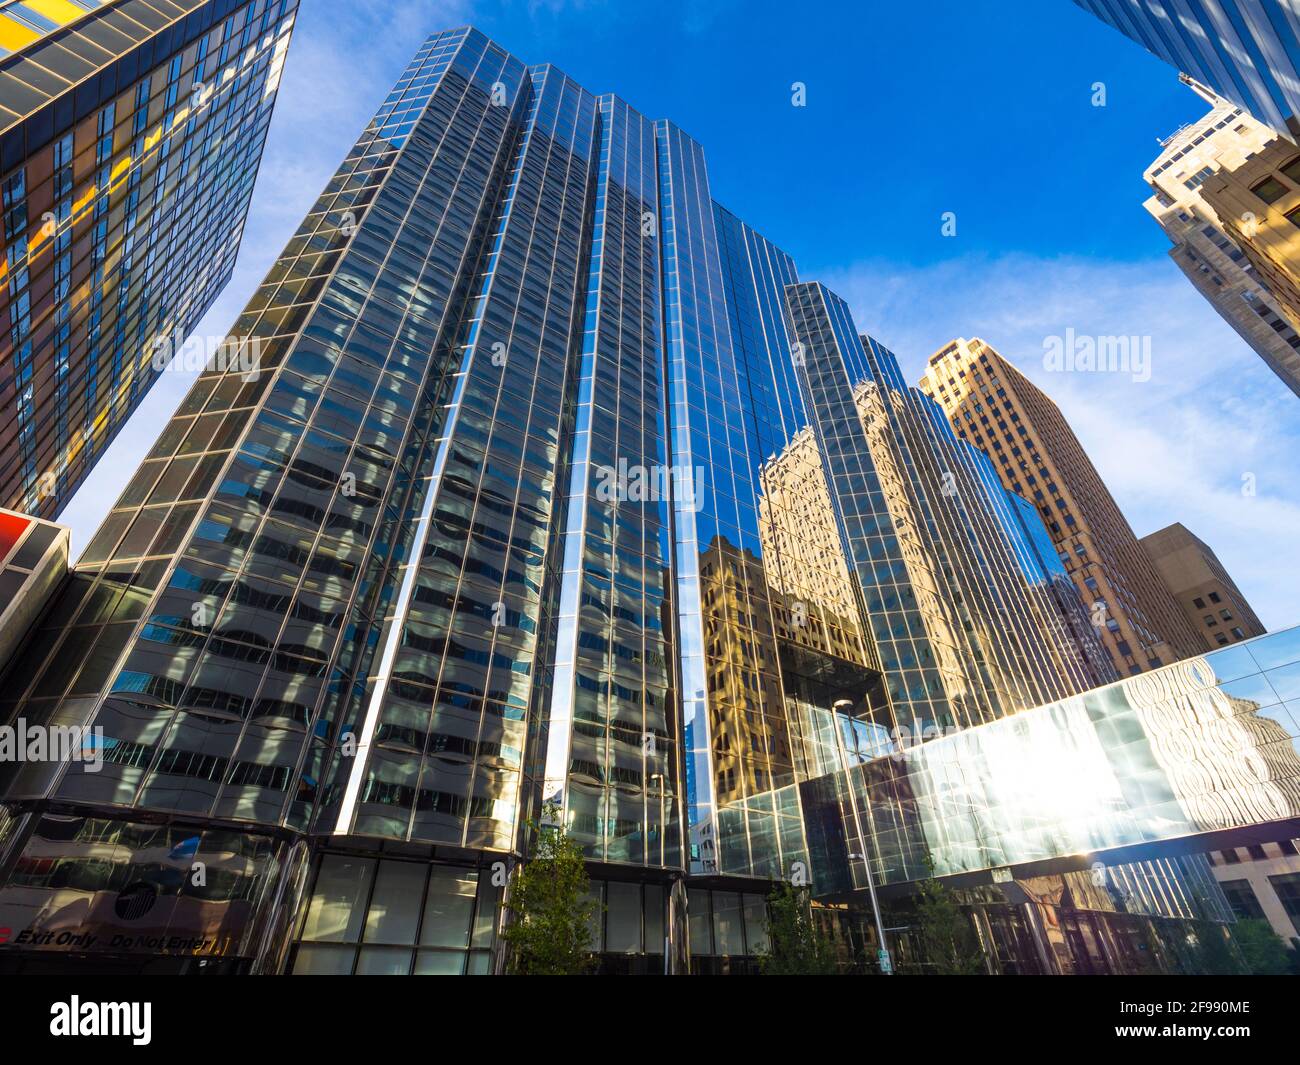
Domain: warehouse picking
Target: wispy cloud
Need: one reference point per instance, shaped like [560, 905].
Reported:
[1182, 446]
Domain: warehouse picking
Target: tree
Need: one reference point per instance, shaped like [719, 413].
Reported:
[550, 934]
[1265, 952]
[1209, 950]
[796, 946]
[946, 938]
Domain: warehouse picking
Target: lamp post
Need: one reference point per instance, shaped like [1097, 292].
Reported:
[886, 965]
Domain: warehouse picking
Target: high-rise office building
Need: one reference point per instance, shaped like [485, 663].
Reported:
[555, 485]
[995, 407]
[1247, 51]
[1258, 206]
[1226, 138]
[130, 137]
[950, 614]
[1202, 588]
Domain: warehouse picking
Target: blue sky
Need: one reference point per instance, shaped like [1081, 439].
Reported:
[982, 108]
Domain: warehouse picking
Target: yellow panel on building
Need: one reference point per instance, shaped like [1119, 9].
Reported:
[59, 11]
[14, 35]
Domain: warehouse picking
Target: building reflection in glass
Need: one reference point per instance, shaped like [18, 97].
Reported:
[1206, 744]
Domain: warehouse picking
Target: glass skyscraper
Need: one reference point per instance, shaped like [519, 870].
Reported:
[555, 485]
[1247, 51]
[130, 137]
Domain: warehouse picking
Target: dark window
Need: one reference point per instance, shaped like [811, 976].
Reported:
[1287, 886]
[1270, 190]
[1241, 897]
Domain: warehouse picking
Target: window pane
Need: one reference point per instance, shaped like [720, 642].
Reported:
[395, 906]
[1270, 190]
[623, 918]
[448, 908]
[1287, 886]
[316, 960]
[1276, 649]
[654, 919]
[701, 925]
[485, 913]
[728, 935]
[755, 924]
[440, 963]
[339, 898]
[384, 961]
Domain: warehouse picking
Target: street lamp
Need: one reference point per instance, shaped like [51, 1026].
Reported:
[842, 706]
[886, 965]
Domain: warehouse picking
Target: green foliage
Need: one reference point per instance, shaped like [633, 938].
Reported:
[550, 934]
[1264, 951]
[944, 932]
[796, 945]
[1209, 951]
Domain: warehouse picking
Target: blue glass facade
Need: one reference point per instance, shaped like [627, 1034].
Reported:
[559, 496]
[1247, 52]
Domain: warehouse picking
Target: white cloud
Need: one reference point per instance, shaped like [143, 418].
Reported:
[1174, 448]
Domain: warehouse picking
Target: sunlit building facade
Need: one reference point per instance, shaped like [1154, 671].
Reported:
[994, 407]
[1203, 589]
[1258, 205]
[1202, 247]
[557, 496]
[130, 137]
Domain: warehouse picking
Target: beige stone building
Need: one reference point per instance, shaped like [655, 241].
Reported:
[1201, 586]
[1258, 206]
[1262, 882]
[1224, 140]
[996, 408]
